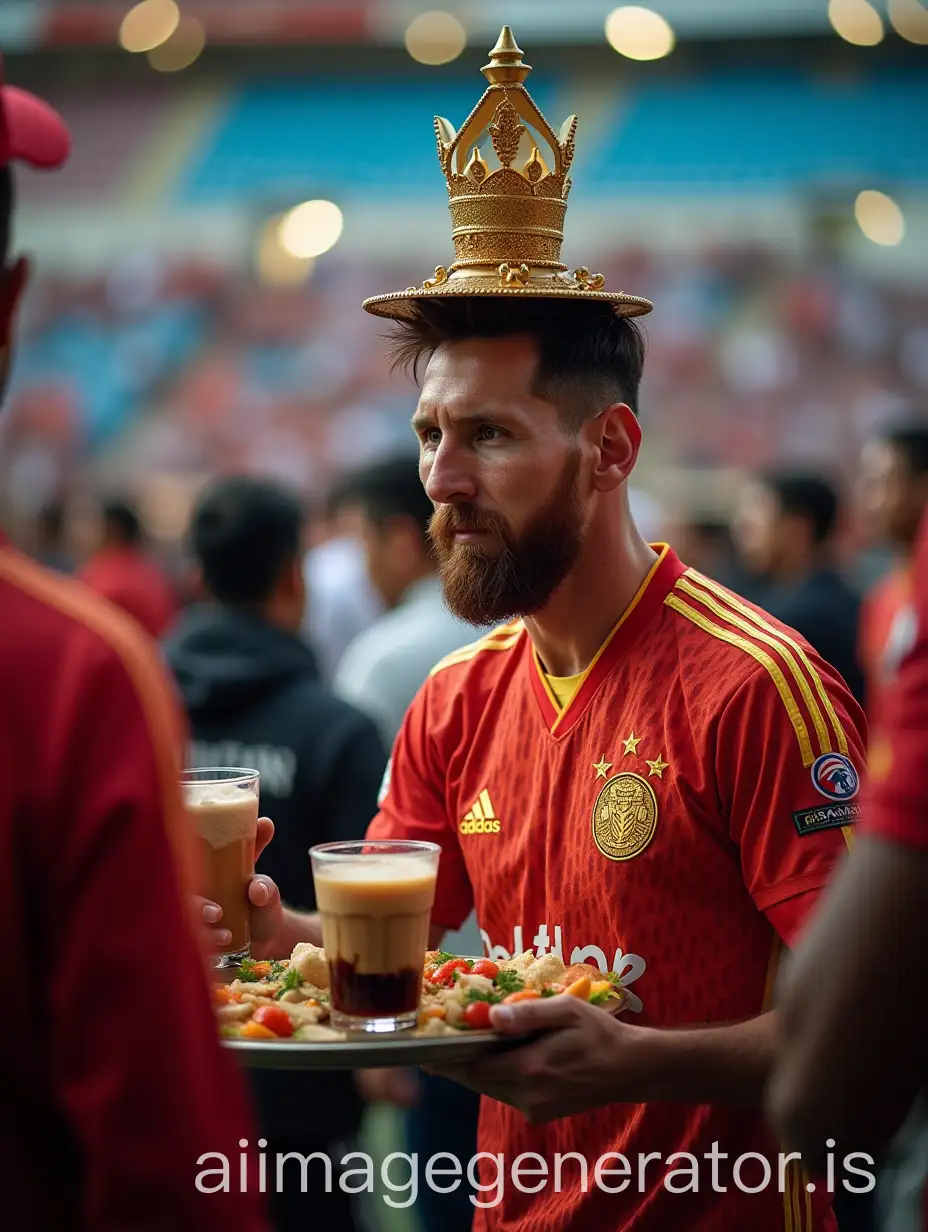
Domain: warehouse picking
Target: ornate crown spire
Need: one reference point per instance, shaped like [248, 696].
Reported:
[507, 176]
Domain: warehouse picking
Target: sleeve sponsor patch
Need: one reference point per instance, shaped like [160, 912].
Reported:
[834, 776]
[828, 817]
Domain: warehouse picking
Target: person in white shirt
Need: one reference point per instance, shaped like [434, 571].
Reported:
[383, 668]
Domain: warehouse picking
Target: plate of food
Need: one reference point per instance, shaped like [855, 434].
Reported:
[275, 1015]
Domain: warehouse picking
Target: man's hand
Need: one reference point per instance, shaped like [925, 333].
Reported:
[584, 1059]
[266, 907]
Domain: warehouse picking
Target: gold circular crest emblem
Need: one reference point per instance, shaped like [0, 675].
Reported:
[624, 816]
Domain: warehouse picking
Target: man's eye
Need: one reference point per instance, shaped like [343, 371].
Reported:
[487, 432]
[431, 436]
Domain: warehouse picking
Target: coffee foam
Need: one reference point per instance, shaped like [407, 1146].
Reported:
[222, 812]
[377, 870]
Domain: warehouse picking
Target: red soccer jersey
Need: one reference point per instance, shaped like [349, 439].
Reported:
[674, 824]
[882, 634]
[898, 797]
[131, 581]
[113, 1079]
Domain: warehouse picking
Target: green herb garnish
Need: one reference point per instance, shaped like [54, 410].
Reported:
[613, 978]
[508, 981]
[442, 956]
[600, 998]
[246, 972]
[483, 994]
[548, 992]
[292, 981]
[278, 969]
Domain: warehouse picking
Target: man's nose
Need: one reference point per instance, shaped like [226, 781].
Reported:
[446, 476]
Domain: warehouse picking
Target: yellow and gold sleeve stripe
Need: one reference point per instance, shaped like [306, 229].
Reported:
[797, 1200]
[782, 649]
[502, 638]
[733, 602]
[709, 626]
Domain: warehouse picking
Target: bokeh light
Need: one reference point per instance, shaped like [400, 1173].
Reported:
[181, 49]
[311, 229]
[856, 21]
[435, 38]
[910, 20]
[149, 24]
[639, 33]
[880, 218]
[275, 265]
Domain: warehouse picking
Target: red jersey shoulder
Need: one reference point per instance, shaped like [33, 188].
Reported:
[726, 640]
[56, 617]
[476, 669]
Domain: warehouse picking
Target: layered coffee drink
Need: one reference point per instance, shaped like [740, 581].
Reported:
[223, 807]
[375, 900]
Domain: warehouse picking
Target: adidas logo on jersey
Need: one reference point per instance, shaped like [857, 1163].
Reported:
[482, 817]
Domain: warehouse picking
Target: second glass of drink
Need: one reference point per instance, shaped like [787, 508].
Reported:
[375, 899]
[223, 805]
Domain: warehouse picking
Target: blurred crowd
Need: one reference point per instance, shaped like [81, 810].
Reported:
[299, 631]
[755, 359]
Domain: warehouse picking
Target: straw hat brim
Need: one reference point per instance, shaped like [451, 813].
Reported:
[401, 305]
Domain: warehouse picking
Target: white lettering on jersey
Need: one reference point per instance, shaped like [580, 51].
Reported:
[628, 967]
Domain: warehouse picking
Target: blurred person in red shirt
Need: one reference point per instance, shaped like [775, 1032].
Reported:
[122, 570]
[894, 495]
[113, 1079]
[870, 932]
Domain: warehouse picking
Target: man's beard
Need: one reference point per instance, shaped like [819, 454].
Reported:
[485, 585]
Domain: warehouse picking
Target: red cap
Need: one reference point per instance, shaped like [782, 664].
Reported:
[30, 130]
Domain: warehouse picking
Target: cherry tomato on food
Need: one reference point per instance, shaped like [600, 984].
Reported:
[274, 1018]
[477, 1015]
[483, 966]
[445, 973]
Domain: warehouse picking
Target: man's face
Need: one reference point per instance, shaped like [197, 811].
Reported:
[757, 528]
[504, 477]
[891, 497]
[391, 555]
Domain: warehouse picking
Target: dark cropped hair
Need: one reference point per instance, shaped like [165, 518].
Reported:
[243, 533]
[386, 489]
[122, 520]
[911, 441]
[588, 356]
[806, 496]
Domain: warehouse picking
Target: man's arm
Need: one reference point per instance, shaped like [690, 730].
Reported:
[135, 1062]
[855, 1011]
[854, 1007]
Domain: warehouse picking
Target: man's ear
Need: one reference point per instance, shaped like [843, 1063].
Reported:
[617, 438]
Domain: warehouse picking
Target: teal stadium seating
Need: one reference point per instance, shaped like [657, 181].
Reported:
[761, 132]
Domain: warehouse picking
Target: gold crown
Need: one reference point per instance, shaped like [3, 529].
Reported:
[507, 223]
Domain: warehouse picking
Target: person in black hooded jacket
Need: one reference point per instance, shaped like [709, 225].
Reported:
[254, 698]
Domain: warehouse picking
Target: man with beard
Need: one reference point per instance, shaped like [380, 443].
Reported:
[637, 769]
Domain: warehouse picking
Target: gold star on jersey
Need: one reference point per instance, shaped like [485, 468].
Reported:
[657, 766]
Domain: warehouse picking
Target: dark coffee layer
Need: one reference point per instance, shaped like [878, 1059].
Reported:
[395, 992]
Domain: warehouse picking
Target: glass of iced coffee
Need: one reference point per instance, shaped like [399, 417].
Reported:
[375, 899]
[223, 805]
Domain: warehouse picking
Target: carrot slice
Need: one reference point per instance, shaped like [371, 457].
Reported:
[579, 988]
[254, 1030]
